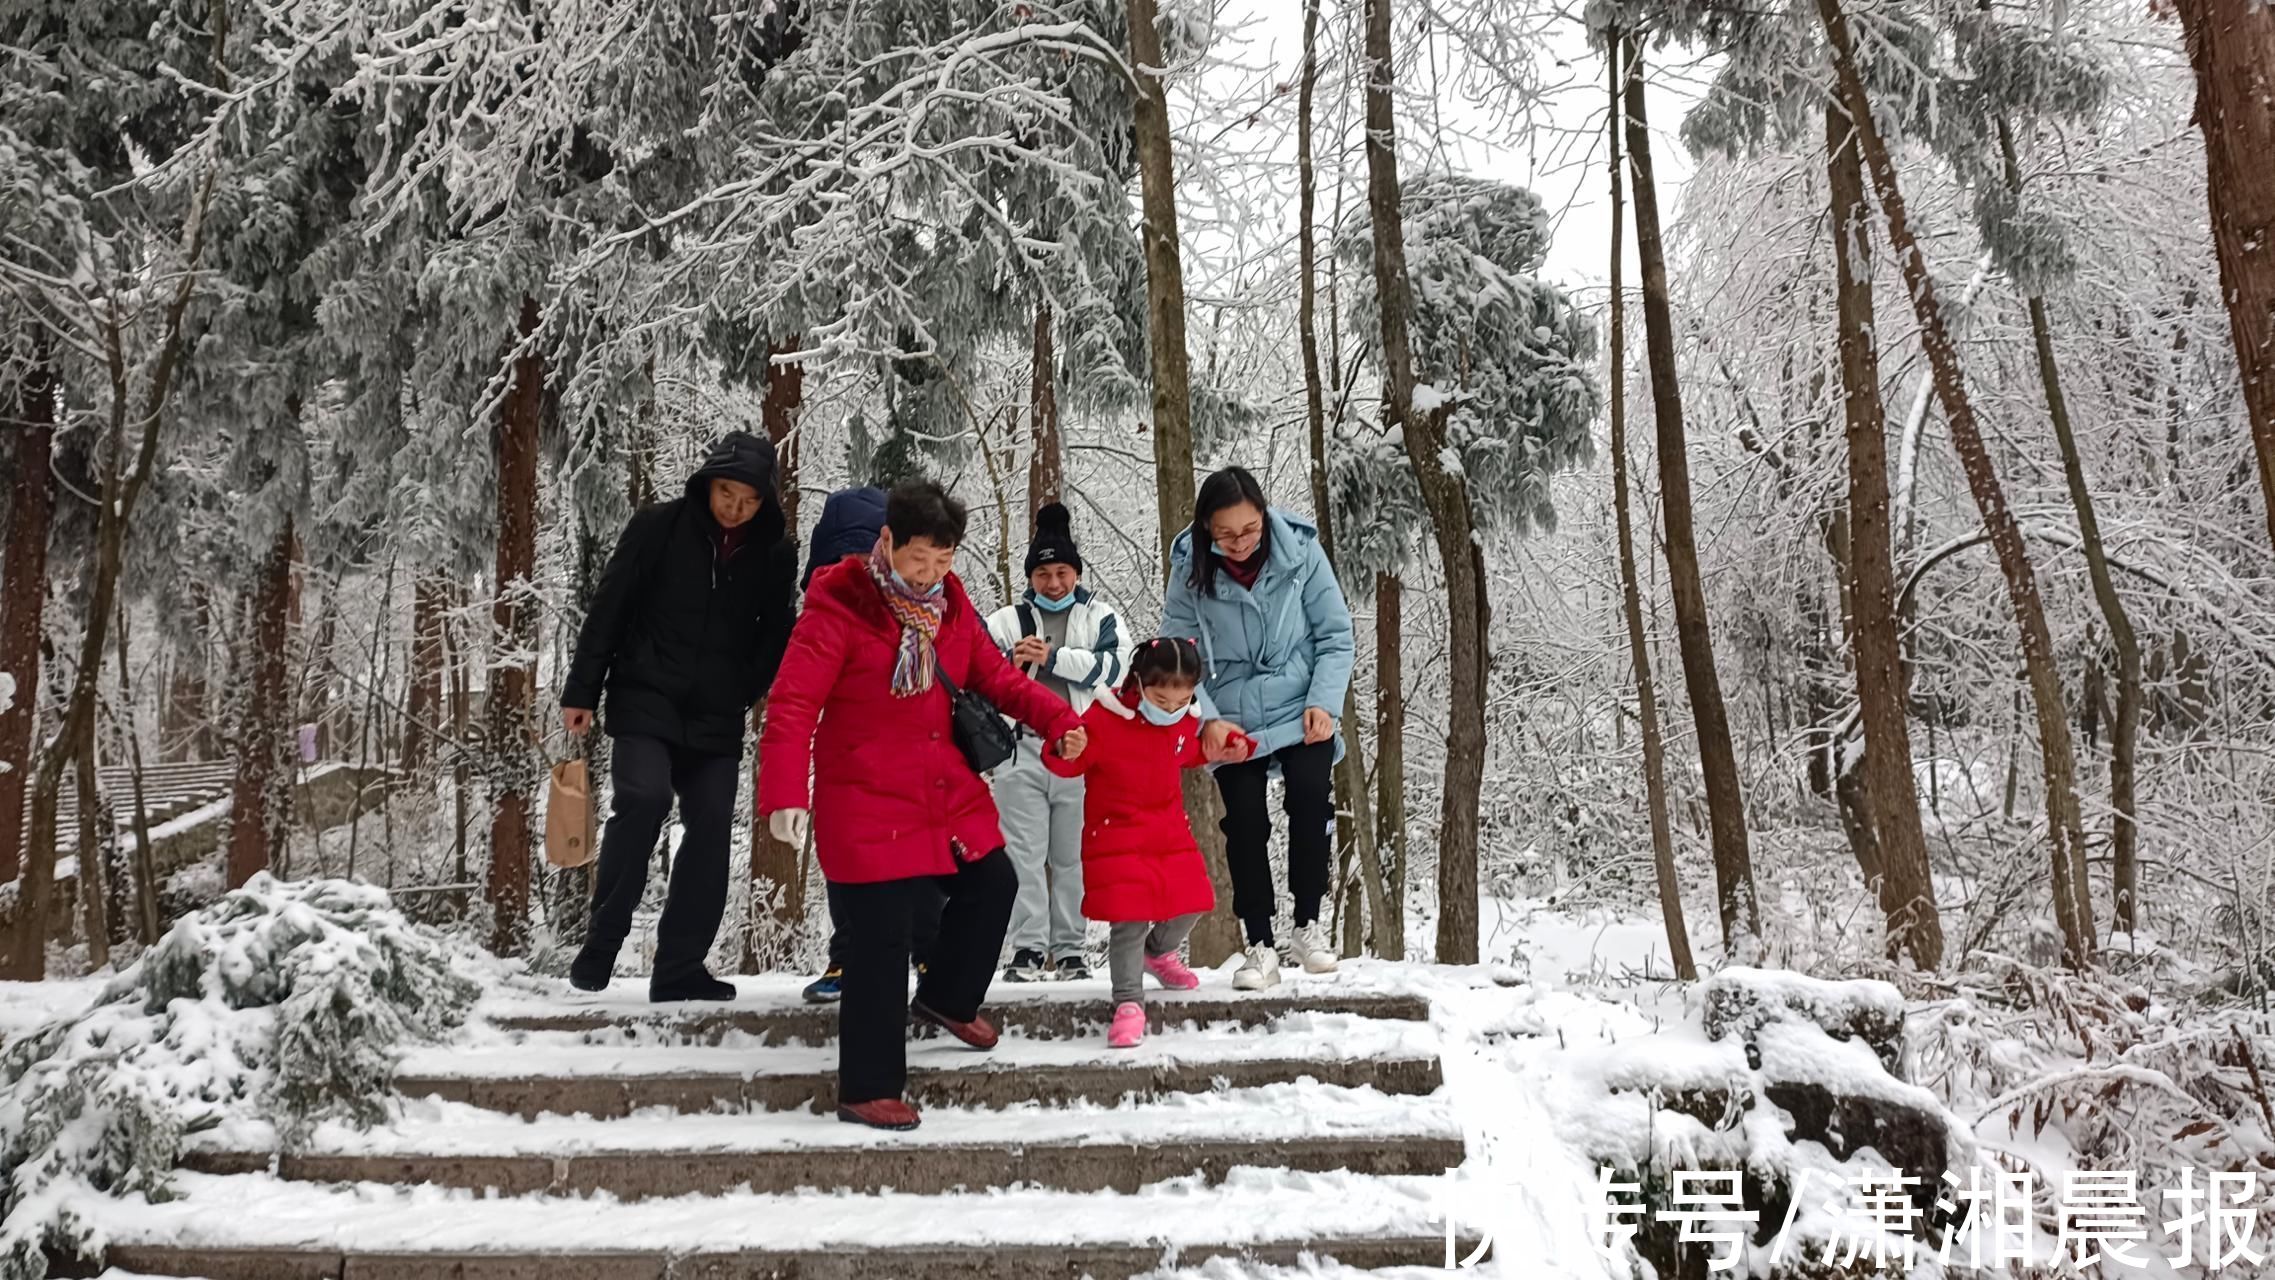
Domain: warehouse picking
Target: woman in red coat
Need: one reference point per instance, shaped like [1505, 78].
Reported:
[858, 704]
[1141, 870]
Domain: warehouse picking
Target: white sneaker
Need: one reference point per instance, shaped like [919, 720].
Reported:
[1259, 970]
[1311, 950]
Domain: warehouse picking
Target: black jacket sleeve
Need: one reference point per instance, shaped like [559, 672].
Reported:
[777, 611]
[612, 606]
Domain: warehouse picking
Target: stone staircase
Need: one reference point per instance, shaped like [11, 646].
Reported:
[613, 1143]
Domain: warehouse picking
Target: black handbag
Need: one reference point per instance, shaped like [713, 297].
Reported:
[978, 728]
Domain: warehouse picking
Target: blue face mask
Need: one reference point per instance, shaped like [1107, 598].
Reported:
[1048, 605]
[1155, 715]
[905, 585]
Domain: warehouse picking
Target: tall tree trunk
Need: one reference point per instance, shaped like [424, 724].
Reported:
[1390, 758]
[1218, 934]
[1890, 796]
[512, 737]
[94, 888]
[1718, 759]
[425, 712]
[30, 514]
[144, 864]
[1630, 589]
[1447, 499]
[2231, 43]
[775, 866]
[2125, 727]
[1046, 464]
[2073, 906]
[262, 790]
[185, 729]
[1355, 818]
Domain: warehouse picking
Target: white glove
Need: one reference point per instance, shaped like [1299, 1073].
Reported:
[789, 826]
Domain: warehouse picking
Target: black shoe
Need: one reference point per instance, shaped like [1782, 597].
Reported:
[1070, 969]
[826, 989]
[594, 966]
[1027, 965]
[700, 987]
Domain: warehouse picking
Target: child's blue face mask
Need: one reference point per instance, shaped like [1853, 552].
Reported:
[1155, 715]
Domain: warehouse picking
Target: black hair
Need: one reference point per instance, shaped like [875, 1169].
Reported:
[922, 509]
[1163, 660]
[1227, 488]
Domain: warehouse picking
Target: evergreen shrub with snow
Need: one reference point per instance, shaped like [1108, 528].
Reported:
[292, 1000]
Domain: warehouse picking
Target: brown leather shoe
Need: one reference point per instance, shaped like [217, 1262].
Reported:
[979, 1033]
[882, 1113]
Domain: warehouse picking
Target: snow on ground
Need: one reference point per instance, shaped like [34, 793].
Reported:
[24, 1005]
[1250, 1206]
[1539, 1047]
[1279, 1112]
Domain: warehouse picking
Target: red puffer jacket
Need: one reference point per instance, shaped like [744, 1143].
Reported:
[1139, 861]
[890, 790]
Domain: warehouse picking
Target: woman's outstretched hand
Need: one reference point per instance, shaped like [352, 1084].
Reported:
[1070, 746]
[1318, 726]
[1222, 742]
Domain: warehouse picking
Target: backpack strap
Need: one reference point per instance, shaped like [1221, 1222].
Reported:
[1026, 619]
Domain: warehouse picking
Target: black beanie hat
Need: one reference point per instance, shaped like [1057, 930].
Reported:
[1054, 540]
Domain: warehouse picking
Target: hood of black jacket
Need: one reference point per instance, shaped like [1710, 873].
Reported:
[739, 455]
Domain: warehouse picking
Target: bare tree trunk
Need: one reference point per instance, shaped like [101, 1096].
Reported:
[1718, 759]
[143, 865]
[1218, 934]
[1451, 520]
[262, 789]
[2073, 906]
[1630, 590]
[775, 866]
[30, 514]
[1890, 797]
[185, 729]
[1046, 465]
[2125, 727]
[512, 738]
[1390, 759]
[2231, 43]
[425, 712]
[1355, 816]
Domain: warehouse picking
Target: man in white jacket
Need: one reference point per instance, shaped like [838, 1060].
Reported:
[1071, 641]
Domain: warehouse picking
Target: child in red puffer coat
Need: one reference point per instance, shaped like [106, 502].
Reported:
[1141, 871]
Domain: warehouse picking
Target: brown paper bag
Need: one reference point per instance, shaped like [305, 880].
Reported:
[568, 817]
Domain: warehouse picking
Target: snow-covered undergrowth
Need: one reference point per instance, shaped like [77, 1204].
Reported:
[291, 1001]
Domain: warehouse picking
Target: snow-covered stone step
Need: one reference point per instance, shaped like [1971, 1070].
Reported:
[1055, 1011]
[254, 1227]
[918, 1168]
[538, 1073]
[1304, 1126]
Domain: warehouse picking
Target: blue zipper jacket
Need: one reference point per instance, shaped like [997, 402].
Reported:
[1271, 651]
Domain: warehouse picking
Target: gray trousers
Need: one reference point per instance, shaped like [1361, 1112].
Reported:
[1042, 830]
[1133, 941]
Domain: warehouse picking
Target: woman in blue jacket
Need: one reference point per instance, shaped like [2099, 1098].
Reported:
[1253, 585]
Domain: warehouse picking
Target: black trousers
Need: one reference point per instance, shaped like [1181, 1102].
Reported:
[1308, 770]
[922, 930]
[878, 926]
[645, 773]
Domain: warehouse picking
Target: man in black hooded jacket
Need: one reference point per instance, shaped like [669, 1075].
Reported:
[690, 622]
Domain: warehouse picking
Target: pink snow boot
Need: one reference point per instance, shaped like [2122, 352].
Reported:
[1128, 1029]
[1171, 972]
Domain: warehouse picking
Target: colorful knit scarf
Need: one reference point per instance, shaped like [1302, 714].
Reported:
[919, 616]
